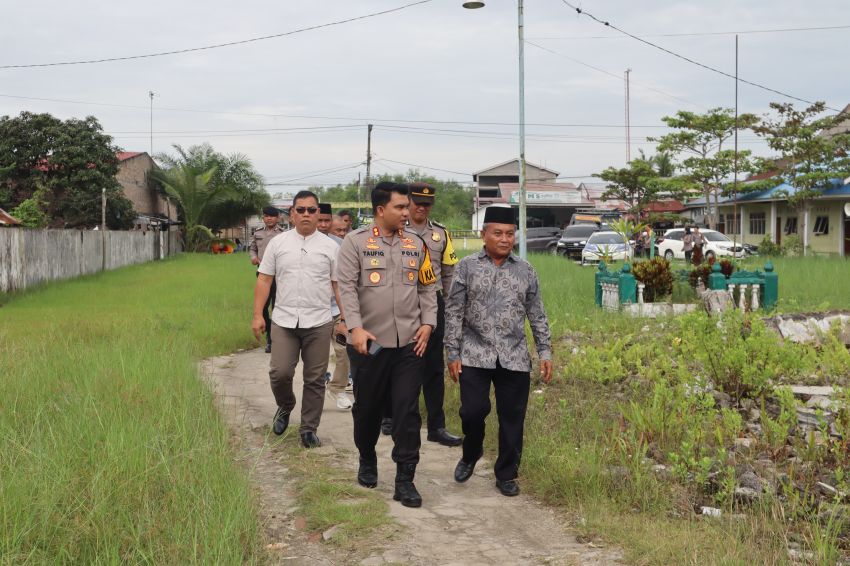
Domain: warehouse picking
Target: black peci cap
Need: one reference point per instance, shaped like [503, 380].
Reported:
[325, 208]
[499, 215]
[271, 211]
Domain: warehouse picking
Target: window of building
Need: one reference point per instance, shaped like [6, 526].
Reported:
[731, 223]
[791, 225]
[822, 225]
[757, 223]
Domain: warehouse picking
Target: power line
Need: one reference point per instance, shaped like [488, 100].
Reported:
[217, 45]
[327, 170]
[424, 166]
[618, 77]
[311, 117]
[318, 174]
[580, 12]
[704, 33]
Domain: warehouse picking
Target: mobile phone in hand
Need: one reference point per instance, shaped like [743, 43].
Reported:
[341, 339]
[373, 347]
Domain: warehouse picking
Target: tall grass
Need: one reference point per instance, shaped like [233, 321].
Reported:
[111, 448]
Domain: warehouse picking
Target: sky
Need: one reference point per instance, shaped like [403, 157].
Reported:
[439, 82]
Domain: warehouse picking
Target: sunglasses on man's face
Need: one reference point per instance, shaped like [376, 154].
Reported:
[307, 209]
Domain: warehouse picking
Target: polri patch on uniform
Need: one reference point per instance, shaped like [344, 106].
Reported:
[411, 263]
[375, 277]
[374, 262]
[409, 247]
[373, 246]
[406, 240]
[375, 231]
[410, 276]
[435, 236]
[371, 240]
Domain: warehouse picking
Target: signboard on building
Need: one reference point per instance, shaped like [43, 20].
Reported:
[548, 197]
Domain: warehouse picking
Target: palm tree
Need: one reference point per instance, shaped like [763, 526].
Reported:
[192, 190]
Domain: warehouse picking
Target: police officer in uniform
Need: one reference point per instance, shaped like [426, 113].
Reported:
[443, 260]
[259, 240]
[387, 288]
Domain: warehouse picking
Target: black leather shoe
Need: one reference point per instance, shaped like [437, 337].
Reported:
[268, 347]
[509, 488]
[463, 471]
[281, 421]
[406, 493]
[444, 437]
[386, 426]
[367, 475]
[310, 440]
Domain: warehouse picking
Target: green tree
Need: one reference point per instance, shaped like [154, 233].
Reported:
[194, 193]
[810, 157]
[73, 159]
[33, 212]
[245, 193]
[636, 184]
[453, 206]
[701, 139]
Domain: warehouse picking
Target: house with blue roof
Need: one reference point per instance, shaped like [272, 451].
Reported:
[756, 215]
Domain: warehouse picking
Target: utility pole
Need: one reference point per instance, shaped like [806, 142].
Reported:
[151, 94]
[368, 159]
[735, 183]
[103, 227]
[358, 196]
[628, 124]
[523, 222]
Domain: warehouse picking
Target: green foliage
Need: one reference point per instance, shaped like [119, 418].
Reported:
[636, 184]
[792, 246]
[657, 275]
[739, 354]
[113, 449]
[703, 270]
[33, 212]
[453, 205]
[768, 248]
[699, 142]
[244, 192]
[776, 430]
[192, 190]
[73, 159]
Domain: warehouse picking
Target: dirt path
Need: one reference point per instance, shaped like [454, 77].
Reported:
[458, 524]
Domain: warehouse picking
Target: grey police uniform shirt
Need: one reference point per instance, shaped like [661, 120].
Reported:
[443, 256]
[261, 238]
[386, 285]
[486, 311]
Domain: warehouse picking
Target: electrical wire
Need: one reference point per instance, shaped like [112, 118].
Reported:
[581, 12]
[217, 45]
[309, 117]
[703, 33]
[424, 166]
[616, 76]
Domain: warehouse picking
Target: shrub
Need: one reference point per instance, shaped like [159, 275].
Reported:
[657, 276]
[792, 246]
[702, 271]
[768, 248]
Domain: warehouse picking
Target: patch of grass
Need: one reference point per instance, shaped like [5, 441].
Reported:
[112, 449]
[328, 498]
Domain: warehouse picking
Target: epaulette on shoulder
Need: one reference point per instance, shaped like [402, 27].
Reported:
[435, 223]
[359, 230]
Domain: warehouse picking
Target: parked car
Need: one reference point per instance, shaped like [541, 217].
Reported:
[542, 239]
[574, 238]
[717, 244]
[604, 243]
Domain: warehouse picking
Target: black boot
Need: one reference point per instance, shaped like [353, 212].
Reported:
[405, 491]
[367, 475]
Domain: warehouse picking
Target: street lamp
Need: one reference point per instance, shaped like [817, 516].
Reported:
[522, 194]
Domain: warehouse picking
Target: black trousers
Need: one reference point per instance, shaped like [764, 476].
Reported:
[392, 377]
[269, 306]
[511, 401]
[433, 373]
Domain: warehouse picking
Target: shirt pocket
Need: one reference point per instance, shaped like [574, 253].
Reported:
[374, 272]
[409, 276]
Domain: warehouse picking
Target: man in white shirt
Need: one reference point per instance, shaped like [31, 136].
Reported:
[302, 261]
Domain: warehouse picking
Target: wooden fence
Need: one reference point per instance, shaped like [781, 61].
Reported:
[29, 257]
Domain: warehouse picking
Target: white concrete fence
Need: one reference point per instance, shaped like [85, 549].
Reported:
[29, 257]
